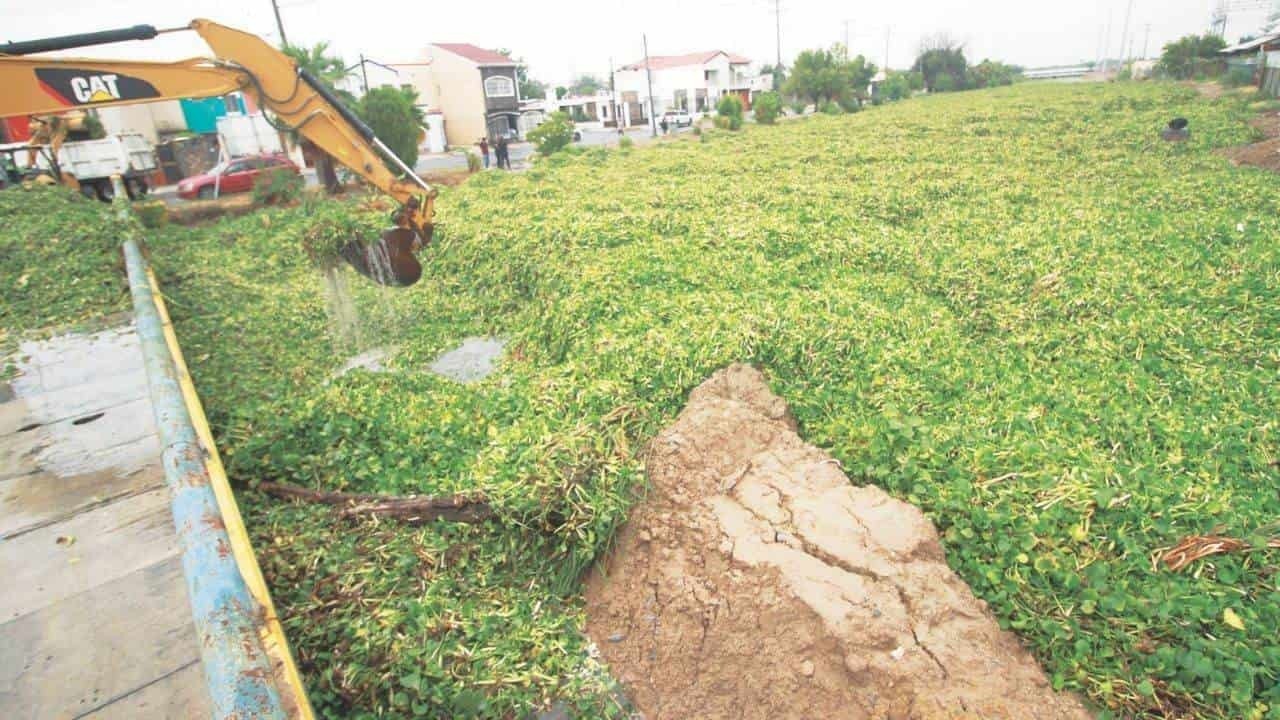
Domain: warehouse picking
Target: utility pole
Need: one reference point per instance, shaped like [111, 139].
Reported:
[364, 74]
[846, 38]
[1146, 42]
[648, 75]
[887, 30]
[1124, 36]
[1106, 43]
[275, 5]
[777, 14]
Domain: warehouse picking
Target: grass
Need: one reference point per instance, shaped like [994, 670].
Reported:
[1017, 308]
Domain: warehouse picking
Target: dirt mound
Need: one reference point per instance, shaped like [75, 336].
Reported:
[1264, 154]
[756, 582]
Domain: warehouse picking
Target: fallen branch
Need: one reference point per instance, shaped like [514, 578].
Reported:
[1195, 547]
[412, 509]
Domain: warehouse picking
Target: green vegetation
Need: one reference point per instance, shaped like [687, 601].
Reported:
[729, 112]
[396, 119]
[829, 76]
[59, 260]
[767, 108]
[554, 134]
[1192, 56]
[277, 187]
[1017, 308]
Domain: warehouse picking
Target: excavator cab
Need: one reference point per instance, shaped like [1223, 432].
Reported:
[36, 85]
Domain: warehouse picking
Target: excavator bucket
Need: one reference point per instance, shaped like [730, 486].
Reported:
[389, 260]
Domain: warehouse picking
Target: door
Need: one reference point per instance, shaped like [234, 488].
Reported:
[498, 127]
[238, 177]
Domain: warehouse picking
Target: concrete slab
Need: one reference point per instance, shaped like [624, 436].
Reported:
[96, 649]
[94, 619]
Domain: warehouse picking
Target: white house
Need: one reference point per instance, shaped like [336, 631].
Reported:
[692, 82]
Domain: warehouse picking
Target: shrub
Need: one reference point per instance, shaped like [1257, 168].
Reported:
[799, 106]
[730, 108]
[722, 122]
[625, 142]
[945, 83]
[697, 129]
[850, 103]
[831, 108]
[555, 133]
[277, 187]
[152, 214]
[768, 107]
[473, 162]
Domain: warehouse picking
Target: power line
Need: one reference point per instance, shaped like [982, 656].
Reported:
[275, 7]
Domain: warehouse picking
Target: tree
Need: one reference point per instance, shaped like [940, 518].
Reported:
[396, 119]
[586, 85]
[941, 56]
[729, 112]
[529, 88]
[767, 108]
[554, 134]
[1181, 58]
[828, 75]
[328, 69]
[990, 73]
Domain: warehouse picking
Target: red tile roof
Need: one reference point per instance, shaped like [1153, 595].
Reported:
[661, 62]
[477, 55]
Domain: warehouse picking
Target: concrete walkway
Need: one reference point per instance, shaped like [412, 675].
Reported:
[94, 618]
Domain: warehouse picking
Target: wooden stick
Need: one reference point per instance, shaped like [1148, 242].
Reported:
[412, 509]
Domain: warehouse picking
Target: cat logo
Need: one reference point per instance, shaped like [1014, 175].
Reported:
[95, 88]
[71, 87]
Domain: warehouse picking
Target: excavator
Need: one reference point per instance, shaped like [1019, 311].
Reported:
[35, 85]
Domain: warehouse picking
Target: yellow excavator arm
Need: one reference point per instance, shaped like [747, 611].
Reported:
[35, 85]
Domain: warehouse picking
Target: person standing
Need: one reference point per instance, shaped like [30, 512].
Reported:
[503, 153]
[484, 151]
[663, 125]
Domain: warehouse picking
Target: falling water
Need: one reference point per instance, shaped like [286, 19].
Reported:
[344, 318]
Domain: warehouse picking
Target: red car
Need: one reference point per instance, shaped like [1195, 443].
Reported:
[233, 176]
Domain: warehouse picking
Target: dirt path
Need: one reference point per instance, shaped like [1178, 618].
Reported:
[756, 582]
[1264, 153]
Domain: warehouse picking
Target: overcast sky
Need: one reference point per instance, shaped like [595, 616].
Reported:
[559, 38]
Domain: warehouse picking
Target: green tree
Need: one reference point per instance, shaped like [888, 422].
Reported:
[829, 75]
[396, 119]
[990, 73]
[939, 57]
[554, 134]
[1181, 58]
[328, 69]
[586, 85]
[767, 108]
[729, 107]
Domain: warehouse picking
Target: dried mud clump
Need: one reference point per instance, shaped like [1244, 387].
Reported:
[756, 582]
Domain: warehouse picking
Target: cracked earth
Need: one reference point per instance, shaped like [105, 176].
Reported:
[754, 581]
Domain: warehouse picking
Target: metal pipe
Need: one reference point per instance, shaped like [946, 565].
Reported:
[237, 670]
[67, 42]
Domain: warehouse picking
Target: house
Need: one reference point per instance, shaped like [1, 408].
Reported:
[589, 110]
[1260, 57]
[476, 90]
[692, 82]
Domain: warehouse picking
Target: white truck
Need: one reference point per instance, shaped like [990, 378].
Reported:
[93, 162]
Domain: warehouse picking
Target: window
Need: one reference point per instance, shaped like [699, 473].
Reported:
[499, 86]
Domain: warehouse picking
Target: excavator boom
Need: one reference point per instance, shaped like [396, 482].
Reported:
[35, 85]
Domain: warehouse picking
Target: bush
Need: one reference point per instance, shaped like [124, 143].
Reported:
[945, 83]
[555, 133]
[473, 162]
[729, 108]
[850, 103]
[799, 106]
[831, 108]
[768, 107]
[721, 122]
[153, 214]
[697, 130]
[278, 187]
[625, 142]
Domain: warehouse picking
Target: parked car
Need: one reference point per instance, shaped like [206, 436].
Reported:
[233, 176]
[678, 118]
